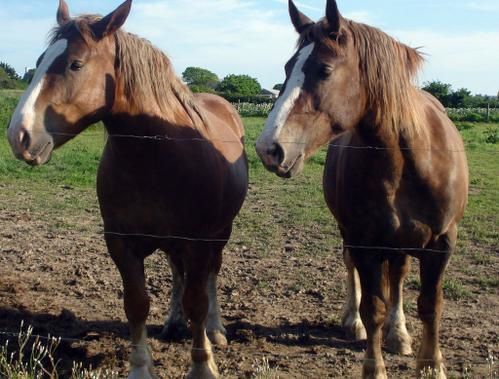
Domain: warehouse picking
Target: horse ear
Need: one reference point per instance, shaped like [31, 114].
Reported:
[299, 20]
[333, 16]
[113, 21]
[63, 13]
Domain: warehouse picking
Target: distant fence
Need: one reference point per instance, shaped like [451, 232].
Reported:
[262, 109]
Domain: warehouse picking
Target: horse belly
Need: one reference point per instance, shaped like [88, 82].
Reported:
[178, 203]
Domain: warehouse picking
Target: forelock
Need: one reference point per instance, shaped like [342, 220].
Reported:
[80, 25]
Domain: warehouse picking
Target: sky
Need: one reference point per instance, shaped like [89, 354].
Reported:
[460, 38]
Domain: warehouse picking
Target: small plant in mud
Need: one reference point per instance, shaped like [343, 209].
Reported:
[264, 371]
[491, 364]
[455, 290]
[429, 373]
[79, 372]
[34, 358]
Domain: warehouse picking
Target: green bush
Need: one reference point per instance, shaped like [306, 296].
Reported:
[492, 135]
[464, 126]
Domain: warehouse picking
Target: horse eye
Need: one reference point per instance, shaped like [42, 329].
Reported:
[76, 66]
[324, 71]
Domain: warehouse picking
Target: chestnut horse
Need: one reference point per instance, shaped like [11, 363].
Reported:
[396, 176]
[167, 180]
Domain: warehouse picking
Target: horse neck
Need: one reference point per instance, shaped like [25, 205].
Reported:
[149, 119]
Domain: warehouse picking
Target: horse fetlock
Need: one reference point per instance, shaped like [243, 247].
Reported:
[374, 370]
[217, 337]
[204, 370]
[398, 341]
[142, 372]
[175, 329]
[354, 327]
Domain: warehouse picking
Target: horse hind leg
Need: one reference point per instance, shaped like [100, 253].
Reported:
[214, 327]
[136, 303]
[351, 321]
[175, 327]
[432, 267]
[397, 338]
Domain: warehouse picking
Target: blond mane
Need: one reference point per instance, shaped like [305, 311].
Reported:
[146, 73]
[388, 69]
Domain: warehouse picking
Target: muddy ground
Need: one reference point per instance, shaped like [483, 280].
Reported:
[284, 307]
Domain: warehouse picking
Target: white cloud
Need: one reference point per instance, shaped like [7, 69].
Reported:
[484, 6]
[246, 37]
[360, 16]
[466, 60]
[303, 6]
[225, 36]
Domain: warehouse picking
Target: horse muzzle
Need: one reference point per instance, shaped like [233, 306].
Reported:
[281, 161]
[35, 148]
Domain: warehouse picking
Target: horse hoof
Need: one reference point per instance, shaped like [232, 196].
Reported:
[141, 373]
[398, 344]
[355, 330]
[217, 338]
[175, 331]
[374, 372]
[204, 370]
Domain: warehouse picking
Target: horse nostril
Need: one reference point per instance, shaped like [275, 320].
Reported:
[277, 152]
[25, 139]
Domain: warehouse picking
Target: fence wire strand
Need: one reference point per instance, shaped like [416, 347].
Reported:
[166, 138]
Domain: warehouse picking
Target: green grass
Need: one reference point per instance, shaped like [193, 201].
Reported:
[274, 210]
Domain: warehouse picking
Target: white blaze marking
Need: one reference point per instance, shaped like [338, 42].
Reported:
[287, 100]
[25, 114]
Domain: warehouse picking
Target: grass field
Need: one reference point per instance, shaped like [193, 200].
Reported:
[297, 203]
[274, 210]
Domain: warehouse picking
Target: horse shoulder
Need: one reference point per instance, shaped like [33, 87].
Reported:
[219, 111]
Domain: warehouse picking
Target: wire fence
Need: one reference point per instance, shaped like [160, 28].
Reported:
[376, 249]
[167, 138]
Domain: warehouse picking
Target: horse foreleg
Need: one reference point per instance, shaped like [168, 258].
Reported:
[350, 319]
[372, 310]
[432, 267]
[197, 262]
[136, 303]
[397, 338]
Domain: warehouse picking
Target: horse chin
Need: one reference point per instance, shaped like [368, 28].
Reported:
[42, 157]
[295, 169]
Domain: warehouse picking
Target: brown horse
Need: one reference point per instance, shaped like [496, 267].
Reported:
[396, 176]
[168, 178]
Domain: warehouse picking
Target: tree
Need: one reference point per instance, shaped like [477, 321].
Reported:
[29, 75]
[200, 79]
[6, 82]
[440, 90]
[240, 85]
[11, 72]
[278, 87]
[460, 98]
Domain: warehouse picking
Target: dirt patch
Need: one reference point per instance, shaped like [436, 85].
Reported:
[285, 308]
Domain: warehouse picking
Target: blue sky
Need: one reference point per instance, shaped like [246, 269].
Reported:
[460, 37]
